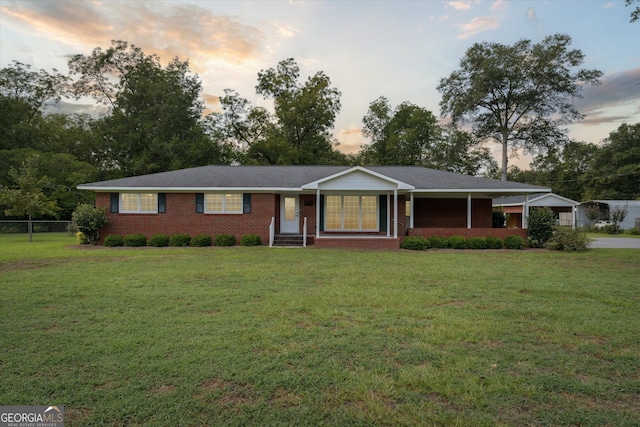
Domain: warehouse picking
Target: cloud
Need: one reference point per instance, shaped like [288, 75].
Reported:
[168, 30]
[351, 139]
[460, 4]
[615, 89]
[613, 100]
[478, 25]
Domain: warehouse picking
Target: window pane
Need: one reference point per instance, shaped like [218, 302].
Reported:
[233, 203]
[369, 213]
[148, 202]
[129, 202]
[289, 208]
[351, 212]
[333, 212]
[213, 202]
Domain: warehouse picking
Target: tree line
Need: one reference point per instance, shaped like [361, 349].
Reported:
[155, 120]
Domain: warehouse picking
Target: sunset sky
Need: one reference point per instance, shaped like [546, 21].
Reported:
[399, 49]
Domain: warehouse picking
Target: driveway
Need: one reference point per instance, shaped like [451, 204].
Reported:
[615, 243]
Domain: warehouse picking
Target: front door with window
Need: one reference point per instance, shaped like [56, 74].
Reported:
[289, 214]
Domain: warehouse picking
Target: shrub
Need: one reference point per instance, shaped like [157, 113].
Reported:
[201, 240]
[438, 242]
[477, 243]
[250, 240]
[135, 240]
[89, 220]
[113, 240]
[493, 242]
[513, 242]
[610, 229]
[567, 239]
[457, 242]
[179, 239]
[225, 240]
[415, 243]
[540, 225]
[159, 240]
[82, 239]
[634, 231]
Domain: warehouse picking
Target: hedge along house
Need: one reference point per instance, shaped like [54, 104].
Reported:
[564, 208]
[329, 206]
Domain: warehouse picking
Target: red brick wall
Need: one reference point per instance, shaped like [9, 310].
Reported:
[181, 218]
[451, 213]
[500, 233]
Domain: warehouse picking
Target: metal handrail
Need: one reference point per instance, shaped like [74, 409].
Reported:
[272, 231]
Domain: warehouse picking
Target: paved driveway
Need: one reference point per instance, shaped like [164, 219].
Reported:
[616, 242]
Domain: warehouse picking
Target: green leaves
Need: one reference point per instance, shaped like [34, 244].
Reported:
[517, 95]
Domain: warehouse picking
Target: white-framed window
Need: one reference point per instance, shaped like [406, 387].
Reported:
[139, 202]
[230, 203]
[351, 213]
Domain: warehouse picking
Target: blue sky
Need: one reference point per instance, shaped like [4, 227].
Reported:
[399, 49]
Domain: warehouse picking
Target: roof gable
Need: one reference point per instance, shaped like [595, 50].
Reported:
[357, 178]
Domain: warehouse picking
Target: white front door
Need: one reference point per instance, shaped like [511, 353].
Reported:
[289, 213]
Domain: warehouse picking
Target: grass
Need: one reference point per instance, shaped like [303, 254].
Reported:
[258, 336]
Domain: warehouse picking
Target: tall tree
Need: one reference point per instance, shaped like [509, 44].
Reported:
[305, 114]
[156, 122]
[27, 197]
[24, 95]
[615, 170]
[457, 151]
[401, 136]
[518, 95]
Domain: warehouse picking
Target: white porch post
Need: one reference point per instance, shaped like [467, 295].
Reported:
[525, 212]
[574, 212]
[388, 215]
[468, 210]
[395, 213]
[411, 211]
[318, 212]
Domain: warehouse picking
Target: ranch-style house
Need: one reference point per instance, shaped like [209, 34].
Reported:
[327, 206]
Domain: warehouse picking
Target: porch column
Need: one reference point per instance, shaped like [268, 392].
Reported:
[411, 211]
[468, 210]
[574, 212]
[388, 215]
[395, 213]
[318, 212]
[525, 212]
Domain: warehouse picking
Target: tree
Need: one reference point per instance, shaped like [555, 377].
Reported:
[90, 219]
[305, 115]
[614, 172]
[24, 95]
[517, 95]
[156, 121]
[617, 215]
[410, 135]
[635, 13]
[402, 136]
[27, 197]
[592, 212]
[457, 151]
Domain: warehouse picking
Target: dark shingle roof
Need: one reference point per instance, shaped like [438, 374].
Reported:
[294, 177]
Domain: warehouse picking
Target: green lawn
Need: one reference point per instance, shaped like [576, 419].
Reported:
[269, 337]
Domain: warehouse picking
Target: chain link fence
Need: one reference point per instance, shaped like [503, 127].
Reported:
[21, 226]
